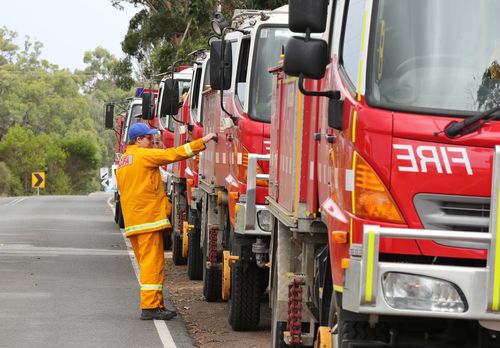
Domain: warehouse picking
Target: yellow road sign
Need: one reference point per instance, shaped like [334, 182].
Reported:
[38, 179]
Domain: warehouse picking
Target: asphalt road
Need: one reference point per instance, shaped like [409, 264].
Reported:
[67, 280]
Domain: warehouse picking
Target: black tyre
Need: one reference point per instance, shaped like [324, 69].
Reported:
[167, 241]
[212, 284]
[195, 253]
[353, 326]
[177, 250]
[244, 304]
[119, 215]
[117, 211]
[212, 279]
[195, 256]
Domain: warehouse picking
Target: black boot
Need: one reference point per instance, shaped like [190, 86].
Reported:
[169, 310]
[157, 313]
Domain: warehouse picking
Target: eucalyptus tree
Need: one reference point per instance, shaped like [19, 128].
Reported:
[164, 31]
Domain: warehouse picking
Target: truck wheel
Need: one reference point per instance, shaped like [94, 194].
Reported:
[117, 211]
[353, 326]
[212, 278]
[361, 330]
[178, 201]
[195, 256]
[244, 304]
[119, 215]
[177, 250]
[167, 241]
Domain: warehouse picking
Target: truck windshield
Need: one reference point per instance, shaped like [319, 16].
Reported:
[135, 110]
[438, 55]
[267, 53]
[184, 86]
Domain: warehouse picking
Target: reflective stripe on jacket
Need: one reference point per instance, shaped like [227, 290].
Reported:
[142, 198]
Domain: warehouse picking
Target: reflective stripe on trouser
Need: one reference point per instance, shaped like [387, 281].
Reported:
[148, 250]
[165, 223]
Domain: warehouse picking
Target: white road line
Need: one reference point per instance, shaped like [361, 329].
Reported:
[163, 331]
[15, 201]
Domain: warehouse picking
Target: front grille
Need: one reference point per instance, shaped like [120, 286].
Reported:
[455, 213]
[469, 209]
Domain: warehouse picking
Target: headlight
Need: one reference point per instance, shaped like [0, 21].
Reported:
[265, 220]
[409, 291]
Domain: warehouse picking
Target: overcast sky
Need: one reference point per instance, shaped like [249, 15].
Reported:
[68, 28]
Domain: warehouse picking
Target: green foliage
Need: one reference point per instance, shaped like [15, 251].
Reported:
[7, 47]
[24, 153]
[9, 183]
[81, 164]
[52, 119]
[168, 30]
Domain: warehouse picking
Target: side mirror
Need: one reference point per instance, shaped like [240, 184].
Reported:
[212, 39]
[335, 108]
[148, 105]
[220, 66]
[306, 57]
[303, 14]
[109, 116]
[170, 100]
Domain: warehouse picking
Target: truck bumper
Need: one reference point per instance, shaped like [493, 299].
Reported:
[249, 223]
[470, 281]
[365, 275]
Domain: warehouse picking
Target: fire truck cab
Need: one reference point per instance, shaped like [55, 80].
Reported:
[235, 221]
[406, 97]
[124, 120]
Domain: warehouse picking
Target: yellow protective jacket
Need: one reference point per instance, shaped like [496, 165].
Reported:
[142, 198]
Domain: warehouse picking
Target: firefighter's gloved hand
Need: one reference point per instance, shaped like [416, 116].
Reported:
[209, 137]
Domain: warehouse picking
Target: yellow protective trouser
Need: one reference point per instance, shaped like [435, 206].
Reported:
[148, 250]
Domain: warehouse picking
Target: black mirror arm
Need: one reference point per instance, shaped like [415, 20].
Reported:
[329, 94]
[178, 121]
[114, 130]
[222, 74]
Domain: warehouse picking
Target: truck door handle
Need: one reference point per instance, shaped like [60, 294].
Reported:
[330, 138]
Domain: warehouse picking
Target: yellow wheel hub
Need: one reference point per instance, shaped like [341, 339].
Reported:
[186, 228]
[226, 273]
[324, 339]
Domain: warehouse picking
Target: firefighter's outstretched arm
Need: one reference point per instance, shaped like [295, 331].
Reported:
[159, 157]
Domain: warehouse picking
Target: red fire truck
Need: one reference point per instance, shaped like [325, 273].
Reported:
[130, 115]
[186, 127]
[162, 120]
[235, 221]
[384, 176]
[201, 82]
[162, 117]
[189, 127]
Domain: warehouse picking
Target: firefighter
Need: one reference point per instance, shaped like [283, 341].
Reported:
[145, 206]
